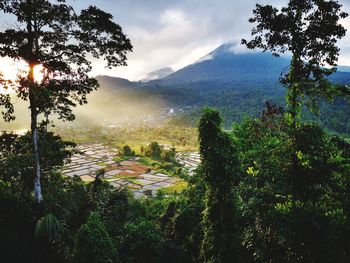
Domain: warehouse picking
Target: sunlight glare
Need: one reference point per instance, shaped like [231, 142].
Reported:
[11, 69]
[38, 73]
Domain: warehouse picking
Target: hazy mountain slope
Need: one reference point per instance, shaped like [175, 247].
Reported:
[237, 84]
[115, 84]
[118, 102]
[344, 68]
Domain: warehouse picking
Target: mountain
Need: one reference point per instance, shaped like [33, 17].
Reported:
[158, 74]
[237, 84]
[344, 68]
[224, 64]
[221, 67]
[114, 83]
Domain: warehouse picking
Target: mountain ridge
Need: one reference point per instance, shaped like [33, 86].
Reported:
[224, 64]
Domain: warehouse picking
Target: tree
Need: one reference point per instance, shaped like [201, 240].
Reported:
[127, 151]
[169, 155]
[141, 241]
[220, 172]
[48, 233]
[309, 30]
[292, 219]
[93, 243]
[52, 35]
[154, 150]
[182, 220]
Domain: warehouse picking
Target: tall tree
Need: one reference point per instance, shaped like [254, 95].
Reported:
[309, 30]
[52, 35]
[220, 171]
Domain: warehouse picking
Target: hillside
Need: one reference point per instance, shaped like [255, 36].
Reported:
[237, 84]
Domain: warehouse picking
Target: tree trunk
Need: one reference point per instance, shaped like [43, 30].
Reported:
[295, 111]
[35, 139]
[29, 50]
[37, 183]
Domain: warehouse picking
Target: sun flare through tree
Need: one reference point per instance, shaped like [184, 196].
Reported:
[50, 37]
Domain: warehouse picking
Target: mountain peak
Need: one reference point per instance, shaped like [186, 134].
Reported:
[222, 49]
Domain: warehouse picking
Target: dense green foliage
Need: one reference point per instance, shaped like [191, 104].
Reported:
[269, 190]
[157, 152]
[127, 151]
[92, 242]
[292, 219]
[242, 205]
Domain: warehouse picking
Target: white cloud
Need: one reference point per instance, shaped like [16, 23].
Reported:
[177, 42]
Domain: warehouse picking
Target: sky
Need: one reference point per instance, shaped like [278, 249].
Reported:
[175, 33]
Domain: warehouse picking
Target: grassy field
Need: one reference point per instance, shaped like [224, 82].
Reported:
[182, 138]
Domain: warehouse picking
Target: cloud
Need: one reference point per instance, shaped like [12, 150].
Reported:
[177, 33]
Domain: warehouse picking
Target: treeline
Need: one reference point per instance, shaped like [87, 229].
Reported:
[234, 108]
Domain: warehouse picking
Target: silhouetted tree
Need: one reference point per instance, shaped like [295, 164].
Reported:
[53, 35]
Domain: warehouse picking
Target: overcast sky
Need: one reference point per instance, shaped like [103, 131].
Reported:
[176, 33]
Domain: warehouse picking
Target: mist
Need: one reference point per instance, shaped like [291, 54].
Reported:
[112, 105]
